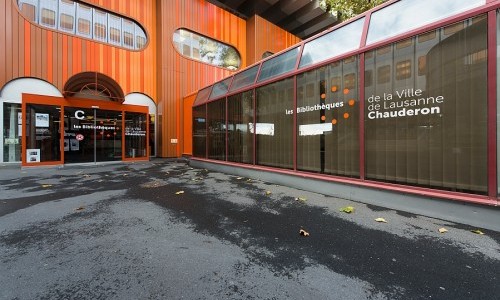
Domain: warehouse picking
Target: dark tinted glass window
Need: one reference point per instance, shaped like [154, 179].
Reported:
[427, 126]
[274, 124]
[341, 40]
[244, 78]
[199, 131]
[279, 65]
[328, 119]
[240, 120]
[202, 95]
[217, 129]
[220, 88]
[405, 15]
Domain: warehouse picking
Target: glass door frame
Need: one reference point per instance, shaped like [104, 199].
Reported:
[29, 99]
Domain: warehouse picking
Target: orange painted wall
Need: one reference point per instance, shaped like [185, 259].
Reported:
[159, 71]
[187, 142]
[29, 50]
[266, 36]
[181, 76]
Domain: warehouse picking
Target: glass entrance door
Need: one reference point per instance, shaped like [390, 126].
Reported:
[92, 135]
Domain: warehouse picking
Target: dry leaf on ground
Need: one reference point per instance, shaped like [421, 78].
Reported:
[347, 209]
[268, 193]
[301, 199]
[443, 230]
[80, 208]
[46, 185]
[381, 220]
[239, 178]
[303, 232]
[477, 231]
[179, 192]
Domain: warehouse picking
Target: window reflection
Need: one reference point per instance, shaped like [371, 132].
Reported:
[244, 78]
[328, 119]
[205, 49]
[135, 135]
[405, 15]
[274, 124]
[341, 40]
[279, 65]
[428, 126]
[42, 133]
[240, 116]
[199, 131]
[90, 22]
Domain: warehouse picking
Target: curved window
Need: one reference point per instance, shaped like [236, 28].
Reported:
[406, 15]
[86, 21]
[207, 50]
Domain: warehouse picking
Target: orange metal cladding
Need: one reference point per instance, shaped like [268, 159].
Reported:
[266, 37]
[187, 143]
[29, 50]
[181, 76]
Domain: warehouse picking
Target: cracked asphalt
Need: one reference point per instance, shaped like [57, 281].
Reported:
[124, 232]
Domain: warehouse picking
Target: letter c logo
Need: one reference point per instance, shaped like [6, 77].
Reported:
[79, 114]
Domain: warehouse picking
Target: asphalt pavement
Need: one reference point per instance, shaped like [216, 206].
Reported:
[164, 230]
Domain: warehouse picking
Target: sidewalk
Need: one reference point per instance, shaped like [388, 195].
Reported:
[165, 230]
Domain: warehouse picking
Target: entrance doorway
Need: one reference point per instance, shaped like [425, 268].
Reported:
[63, 131]
[92, 135]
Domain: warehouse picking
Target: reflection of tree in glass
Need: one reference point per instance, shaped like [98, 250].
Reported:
[208, 49]
[230, 58]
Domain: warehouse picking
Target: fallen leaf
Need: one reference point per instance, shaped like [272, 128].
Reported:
[303, 232]
[79, 208]
[239, 178]
[46, 185]
[477, 231]
[347, 209]
[268, 193]
[179, 192]
[382, 220]
[300, 199]
[443, 230]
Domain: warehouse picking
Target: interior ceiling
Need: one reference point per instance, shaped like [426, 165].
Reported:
[303, 18]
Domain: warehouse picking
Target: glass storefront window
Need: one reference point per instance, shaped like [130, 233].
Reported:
[220, 88]
[328, 119]
[12, 132]
[217, 129]
[199, 131]
[405, 15]
[152, 135]
[42, 133]
[279, 65]
[498, 101]
[341, 40]
[244, 78]
[79, 135]
[274, 124]
[108, 135]
[240, 118]
[426, 108]
[135, 135]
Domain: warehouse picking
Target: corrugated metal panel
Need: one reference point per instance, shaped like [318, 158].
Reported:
[33, 51]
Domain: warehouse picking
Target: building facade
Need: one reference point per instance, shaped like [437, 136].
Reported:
[92, 81]
[390, 100]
